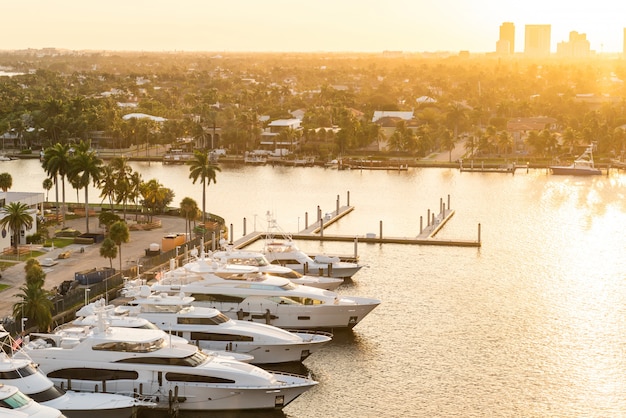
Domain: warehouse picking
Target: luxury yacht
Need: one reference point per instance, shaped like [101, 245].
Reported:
[164, 368]
[207, 328]
[241, 292]
[287, 254]
[25, 375]
[15, 404]
[258, 259]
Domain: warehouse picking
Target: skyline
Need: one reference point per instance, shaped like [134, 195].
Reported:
[320, 26]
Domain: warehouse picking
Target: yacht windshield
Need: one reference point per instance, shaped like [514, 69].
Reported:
[194, 360]
[131, 347]
[18, 400]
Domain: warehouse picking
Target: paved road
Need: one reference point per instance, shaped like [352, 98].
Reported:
[78, 261]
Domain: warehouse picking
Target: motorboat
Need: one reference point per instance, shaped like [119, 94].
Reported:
[162, 367]
[208, 328]
[258, 259]
[14, 403]
[25, 375]
[286, 253]
[242, 292]
[582, 166]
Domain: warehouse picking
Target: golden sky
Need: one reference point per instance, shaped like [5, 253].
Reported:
[301, 26]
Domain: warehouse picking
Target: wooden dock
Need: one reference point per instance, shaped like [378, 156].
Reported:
[315, 232]
[489, 168]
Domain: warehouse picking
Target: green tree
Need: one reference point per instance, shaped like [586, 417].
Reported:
[15, 217]
[189, 211]
[6, 181]
[47, 185]
[156, 197]
[56, 163]
[35, 304]
[86, 168]
[108, 249]
[119, 234]
[202, 168]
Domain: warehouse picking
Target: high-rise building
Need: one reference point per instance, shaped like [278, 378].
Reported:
[537, 40]
[506, 42]
[576, 47]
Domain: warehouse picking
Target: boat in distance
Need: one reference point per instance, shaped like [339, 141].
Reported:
[241, 292]
[583, 165]
[176, 375]
[210, 329]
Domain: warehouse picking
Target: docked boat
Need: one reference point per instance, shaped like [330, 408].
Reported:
[287, 254]
[280, 249]
[176, 375]
[254, 159]
[258, 259]
[582, 166]
[241, 292]
[15, 404]
[25, 375]
[209, 329]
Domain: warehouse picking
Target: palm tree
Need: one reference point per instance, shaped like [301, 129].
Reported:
[189, 210]
[6, 181]
[119, 234]
[16, 216]
[56, 163]
[35, 305]
[86, 167]
[202, 168]
[108, 249]
[47, 185]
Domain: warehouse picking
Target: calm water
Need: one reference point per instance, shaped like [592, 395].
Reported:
[532, 324]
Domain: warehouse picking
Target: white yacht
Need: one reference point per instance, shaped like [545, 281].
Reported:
[211, 330]
[241, 292]
[25, 375]
[280, 249]
[15, 404]
[258, 259]
[167, 369]
[287, 254]
[583, 165]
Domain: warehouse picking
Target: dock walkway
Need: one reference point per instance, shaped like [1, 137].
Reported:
[316, 232]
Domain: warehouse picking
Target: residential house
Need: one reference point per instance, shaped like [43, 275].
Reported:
[519, 128]
[34, 202]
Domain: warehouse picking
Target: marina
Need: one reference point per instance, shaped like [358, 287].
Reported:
[530, 323]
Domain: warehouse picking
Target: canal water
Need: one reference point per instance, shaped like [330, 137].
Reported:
[531, 324]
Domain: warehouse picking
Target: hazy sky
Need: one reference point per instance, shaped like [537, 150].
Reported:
[291, 25]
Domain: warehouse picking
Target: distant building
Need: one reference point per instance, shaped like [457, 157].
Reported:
[537, 40]
[380, 114]
[506, 42]
[577, 46]
[624, 51]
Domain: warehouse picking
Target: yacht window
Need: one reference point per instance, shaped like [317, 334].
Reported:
[283, 300]
[210, 336]
[160, 308]
[194, 360]
[215, 320]
[289, 286]
[283, 262]
[291, 274]
[17, 400]
[51, 393]
[97, 375]
[18, 373]
[306, 301]
[180, 377]
[131, 347]
[200, 297]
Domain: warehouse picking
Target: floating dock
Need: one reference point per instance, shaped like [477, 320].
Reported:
[315, 232]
